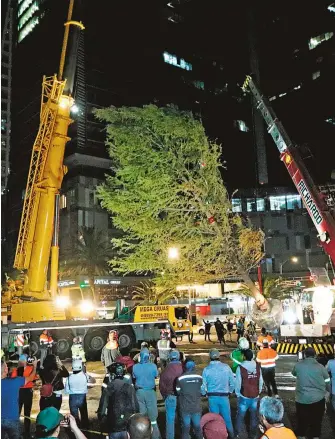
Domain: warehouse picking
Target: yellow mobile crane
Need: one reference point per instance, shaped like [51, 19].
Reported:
[34, 307]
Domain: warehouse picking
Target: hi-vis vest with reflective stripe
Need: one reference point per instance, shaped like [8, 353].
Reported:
[279, 433]
[267, 357]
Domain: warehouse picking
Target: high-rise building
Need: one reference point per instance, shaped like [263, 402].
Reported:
[6, 88]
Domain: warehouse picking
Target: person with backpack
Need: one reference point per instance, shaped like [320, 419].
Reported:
[248, 386]
[76, 388]
[118, 403]
[52, 382]
[25, 369]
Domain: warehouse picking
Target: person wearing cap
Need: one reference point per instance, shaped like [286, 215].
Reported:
[145, 374]
[312, 391]
[271, 413]
[118, 403]
[248, 386]
[264, 335]
[110, 351]
[188, 388]
[10, 389]
[25, 369]
[237, 356]
[218, 384]
[48, 423]
[267, 357]
[76, 388]
[213, 426]
[167, 387]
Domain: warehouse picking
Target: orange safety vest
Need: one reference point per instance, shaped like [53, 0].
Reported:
[261, 337]
[267, 357]
[26, 373]
[279, 433]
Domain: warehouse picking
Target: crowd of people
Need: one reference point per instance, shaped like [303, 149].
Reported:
[128, 405]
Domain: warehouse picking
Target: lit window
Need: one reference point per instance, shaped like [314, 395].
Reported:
[251, 205]
[62, 202]
[199, 84]
[314, 42]
[236, 204]
[242, 126]
[278, 202]
[297, 87]
[293, 202]
[331, 120]
[282, 94]
[27, 15]
[331, 8]
[272, 98]
[316, 74]
[260, 204]
[172, 59]
[28, 28]
[23, 6]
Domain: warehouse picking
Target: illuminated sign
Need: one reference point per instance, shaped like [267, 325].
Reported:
[172, 59]
[99, 281]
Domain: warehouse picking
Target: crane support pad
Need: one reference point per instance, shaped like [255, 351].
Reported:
[294, 348]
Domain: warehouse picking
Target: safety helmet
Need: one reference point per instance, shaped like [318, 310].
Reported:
[77, 365]
[214, 354]
[243, 343]
[174, 355]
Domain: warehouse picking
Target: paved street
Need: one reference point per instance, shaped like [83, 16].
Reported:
[199, 350]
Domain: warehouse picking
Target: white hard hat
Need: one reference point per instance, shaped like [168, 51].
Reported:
[77, 365]
[243, 343]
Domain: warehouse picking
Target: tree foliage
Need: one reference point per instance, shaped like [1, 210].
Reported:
[149, 294]
[167, 190]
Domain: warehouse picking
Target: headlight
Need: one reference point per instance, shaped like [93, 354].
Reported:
[86, 306]
[62, 301]
[180, 324]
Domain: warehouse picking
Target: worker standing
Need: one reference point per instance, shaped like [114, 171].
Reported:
[219, 331]
[331, 370]
[164, 349]
[25, 369]
[110, 351]
[311, 394]
[208, 330]
[78, 352]
[238, 354]
[46, 342]
[145, 374]
[167, 387]
[218, 384]
[264, 335]
[267, 357]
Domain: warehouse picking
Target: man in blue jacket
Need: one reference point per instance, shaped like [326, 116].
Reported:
[218, 383]
[145, 374]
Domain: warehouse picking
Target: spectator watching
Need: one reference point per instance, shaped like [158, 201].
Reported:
[139, 427]
[271, 412]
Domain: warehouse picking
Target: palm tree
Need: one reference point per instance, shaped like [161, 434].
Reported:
[88, 255]
[149, 294]
[274, 288]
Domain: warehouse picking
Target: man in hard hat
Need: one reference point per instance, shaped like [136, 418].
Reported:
[238, 354]
[267, 357]
[218, 383]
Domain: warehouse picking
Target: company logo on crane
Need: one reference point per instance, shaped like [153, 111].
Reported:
[311, 206]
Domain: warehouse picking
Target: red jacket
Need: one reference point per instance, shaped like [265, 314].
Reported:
[26, 373]
[167, 381]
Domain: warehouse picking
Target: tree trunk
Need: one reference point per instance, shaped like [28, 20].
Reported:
[261, 301]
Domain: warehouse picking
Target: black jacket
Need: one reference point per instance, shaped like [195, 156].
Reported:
[54, 376]
[117, 403]
[188, 387]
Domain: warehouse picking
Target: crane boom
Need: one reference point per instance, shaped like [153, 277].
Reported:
[313, 200]
[45, 177]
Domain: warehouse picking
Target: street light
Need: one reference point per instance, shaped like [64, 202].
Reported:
[173, 253]
[294, 259]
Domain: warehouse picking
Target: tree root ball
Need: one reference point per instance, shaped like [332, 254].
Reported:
[271, 318]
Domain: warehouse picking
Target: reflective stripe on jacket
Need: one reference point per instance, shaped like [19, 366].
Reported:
[267, 357]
